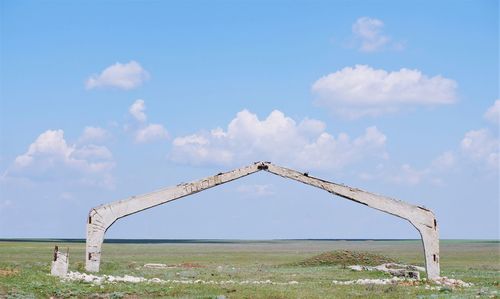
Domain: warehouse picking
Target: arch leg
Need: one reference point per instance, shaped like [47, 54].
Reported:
[95, 238]
[430, 242]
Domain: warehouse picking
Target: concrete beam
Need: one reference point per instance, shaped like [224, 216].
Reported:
[102, 217]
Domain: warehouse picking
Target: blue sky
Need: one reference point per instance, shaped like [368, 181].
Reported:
[100, 100]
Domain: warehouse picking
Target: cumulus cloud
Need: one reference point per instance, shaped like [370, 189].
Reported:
[50, 155]
[92, 151]
[359, 91]
[280, 139]
[124, 76]
[444, 161]
[150, 133]
[478, 150]
[93, 134]
[493, 113]
[369, 33]
[409, 175]
[481, 146]
[406, 174]
[145, 132]
[137, 110]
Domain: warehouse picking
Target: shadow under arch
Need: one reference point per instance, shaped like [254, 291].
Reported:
[102, 217]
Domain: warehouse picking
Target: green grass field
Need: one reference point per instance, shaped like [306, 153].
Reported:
[25, 268]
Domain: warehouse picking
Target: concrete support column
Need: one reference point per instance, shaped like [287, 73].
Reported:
[96, 228]
[430, 242]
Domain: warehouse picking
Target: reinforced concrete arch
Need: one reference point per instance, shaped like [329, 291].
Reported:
[102, 217]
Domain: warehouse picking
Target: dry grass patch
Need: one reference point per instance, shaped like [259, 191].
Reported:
[8, 272]
[345, 258]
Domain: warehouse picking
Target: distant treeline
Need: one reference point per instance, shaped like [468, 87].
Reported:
[213, 241]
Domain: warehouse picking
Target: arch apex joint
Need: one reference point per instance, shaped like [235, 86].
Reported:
[262, 165]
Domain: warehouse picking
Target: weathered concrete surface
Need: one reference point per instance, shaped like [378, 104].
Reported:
[59, 263]
[394, 269]
[102, 217]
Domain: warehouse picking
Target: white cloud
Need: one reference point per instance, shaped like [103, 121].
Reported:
[124, 76]
[151, 132]
[409, 175]
[444, 161]
[358, 91]
[406, 174]
[92, 151]
[368, 31]
[137, 110]
[311, 126]
[481, 146]
[197, 149]
[477, 146]
[493, 113]
[50, 156]
[94, 134]
[280, 139]
[143, 131]
[478, 150]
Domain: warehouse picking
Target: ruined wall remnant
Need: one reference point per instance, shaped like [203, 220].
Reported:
[59, 263]
[102, 217]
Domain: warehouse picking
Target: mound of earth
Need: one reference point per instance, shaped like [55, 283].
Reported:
[345, 258]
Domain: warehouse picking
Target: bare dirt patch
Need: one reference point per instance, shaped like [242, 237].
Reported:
[8, 272]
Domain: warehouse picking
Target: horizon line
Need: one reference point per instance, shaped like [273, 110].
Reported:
[220, 240]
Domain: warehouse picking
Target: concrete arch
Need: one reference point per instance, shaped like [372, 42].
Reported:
[102, 217]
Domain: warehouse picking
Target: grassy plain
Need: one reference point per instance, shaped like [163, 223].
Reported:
[24, 268]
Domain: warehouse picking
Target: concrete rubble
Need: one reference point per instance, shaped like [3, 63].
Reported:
[451, 282]
[433, 284]
[398, 270]
[379, 281]
[100, 279]
[428, 284]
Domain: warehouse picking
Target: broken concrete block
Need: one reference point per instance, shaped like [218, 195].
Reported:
[404, 273]
[60, 263]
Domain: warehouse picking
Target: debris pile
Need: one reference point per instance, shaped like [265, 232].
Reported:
[99, 279]
[380, 281]
[451, 282]
[399, 270]
[403, 275]
[433, 284]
